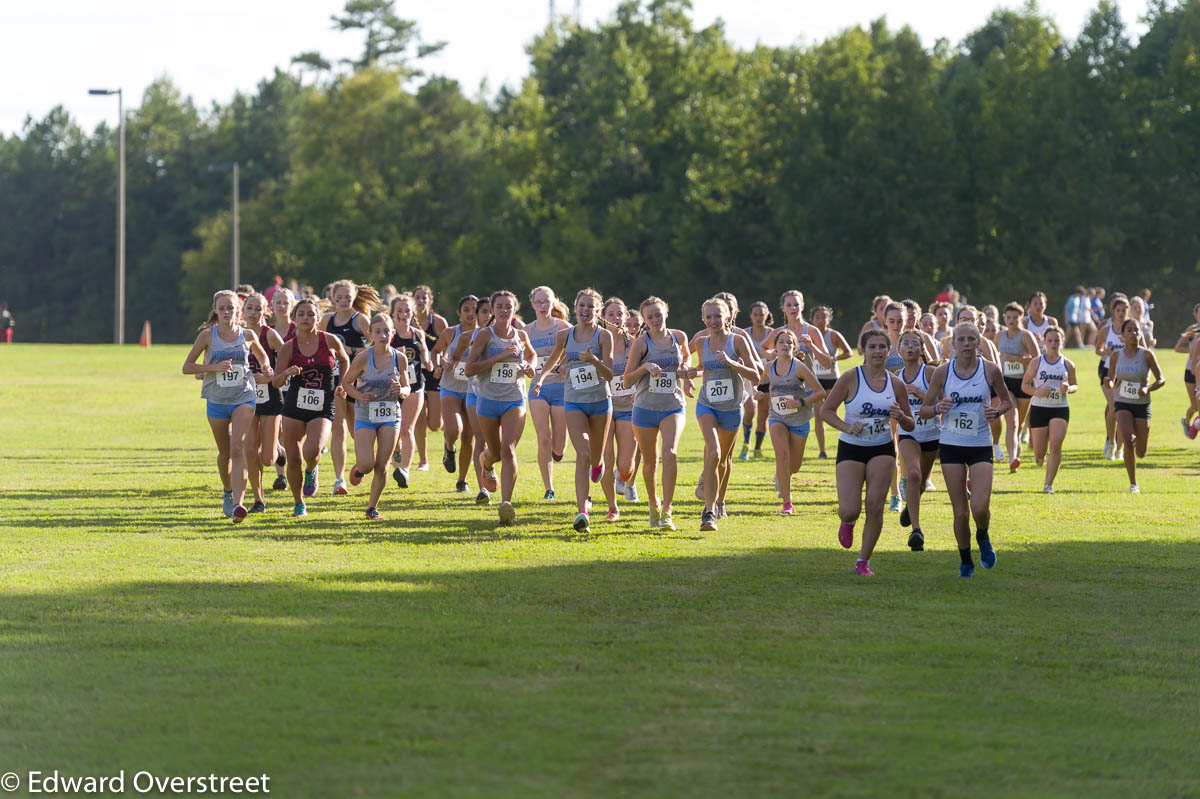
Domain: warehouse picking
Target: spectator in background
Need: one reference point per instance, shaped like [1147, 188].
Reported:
[269, 291]
[244, 290]
[6, 323]
[947, 294]
[1097, 300]
[1078, 313]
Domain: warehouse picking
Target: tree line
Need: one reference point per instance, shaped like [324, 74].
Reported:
[641, 156]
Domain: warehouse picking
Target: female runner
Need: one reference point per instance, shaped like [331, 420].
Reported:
[546, 410]
[1018, 348]
[501, 357]
[912, 321]
[1037, 322]
[430, 414]
[866, 455]
[726, 360]
[456, 426]
[585, 352]
[1108, 341]
[1048, 380]
[350, 323]
[228, 389]
[620, 451]
[378, 381]
[262, 441]
[961, 390]
[918, 448]
[877, 320]
[308, 403]
[410, 340]
[794, 392]
[1186, 343]
[1137, 312]
[281, 322]
[1127, 379]
[837, 346]
[759, 331]
[657, 367]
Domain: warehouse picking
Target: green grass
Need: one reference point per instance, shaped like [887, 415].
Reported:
[436, 655]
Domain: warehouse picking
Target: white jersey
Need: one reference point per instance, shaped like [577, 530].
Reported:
[872, 408]
[966, 425]
[926, 429]
[1113, 341]
[1053, 376]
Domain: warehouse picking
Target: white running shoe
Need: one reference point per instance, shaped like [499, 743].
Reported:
[1047, 490]
[1108, 449]
[998, 451]
[631, 494]
[620, 486]
[929, 486]
[1133, 489]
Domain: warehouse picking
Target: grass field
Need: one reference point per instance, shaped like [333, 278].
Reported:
[437, 655]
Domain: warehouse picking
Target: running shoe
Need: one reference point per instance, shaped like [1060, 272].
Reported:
[1119, 453]
[1133, 489]
[339, 487]
[401, 475]
[619, 486]
[227, 503]
[587, 504]
[356, 476]
[708, 521]
[299, 511]
[450, 460]
[787, 509]
[489, 479]
[916, 540]
[894, 503]
[966, 570]
[700, 488]
[461, 486]
[397, 457]
[1108, 450]
[581, 523]
[665, 521]
[631, 494]
[549, 494]
[557, 456]
[507, 513]
[423, 466]
[929, 486]
[1025, 437]
[613, 515]
[821, 456]
[758, 453]
[1187, 428]
[904, 487]
[846, 535]
[310, 483]
[258, 507]
[905, 518]
[1013, 465]
[655, 521]
[1047, 489]
[721, 514]
[998, 452]
[281, 459]
[1194, 429]
[483, 497]
[597, 471]
[862, 568]
[373, 515]
[280, 483]
[239, 513]
[1038, 462]
[744, 455]
[987, 555]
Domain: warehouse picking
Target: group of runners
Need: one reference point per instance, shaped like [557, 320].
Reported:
[288, 381]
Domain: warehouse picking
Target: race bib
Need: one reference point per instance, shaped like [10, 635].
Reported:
[1129, 390]
[618, 387]
[233, 378]
[720, 390]
[1056, 394]
[412, 373]
[584, 376]
[1014, 369]
[777, 404]
[310, 399]
[663, 384]
[381, 412]
[260, 393]
[875, 427]
[822, 371]
[505, 372]
[962, 421]
[460, 371]
[539, 365]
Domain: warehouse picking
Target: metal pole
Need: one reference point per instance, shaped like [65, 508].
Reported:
[120, 336]
[237, 271]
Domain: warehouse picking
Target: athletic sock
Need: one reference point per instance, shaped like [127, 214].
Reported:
[758, 440]
[965, 556]
[746, 435]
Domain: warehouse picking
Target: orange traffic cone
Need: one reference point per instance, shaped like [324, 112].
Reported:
[145, 340]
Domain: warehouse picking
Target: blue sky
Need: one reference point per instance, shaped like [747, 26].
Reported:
[52, 53]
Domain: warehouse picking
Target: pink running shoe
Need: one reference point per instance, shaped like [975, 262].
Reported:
[597, 471]
[862, 568]
[846, 535]
[787, 510]
[1195, 428]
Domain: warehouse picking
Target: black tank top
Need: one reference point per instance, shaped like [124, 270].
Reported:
[348, 333]
[410, 348]
[431, 339]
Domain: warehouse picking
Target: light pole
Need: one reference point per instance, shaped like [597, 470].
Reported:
[119, 322]
[237, 269]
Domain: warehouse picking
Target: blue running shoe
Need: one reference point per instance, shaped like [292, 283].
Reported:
[987, 555]
[310, 483]
[966, 570]
[227, 504]
[299, 511]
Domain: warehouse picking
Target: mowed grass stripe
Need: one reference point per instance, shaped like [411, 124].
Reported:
[438, 655]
